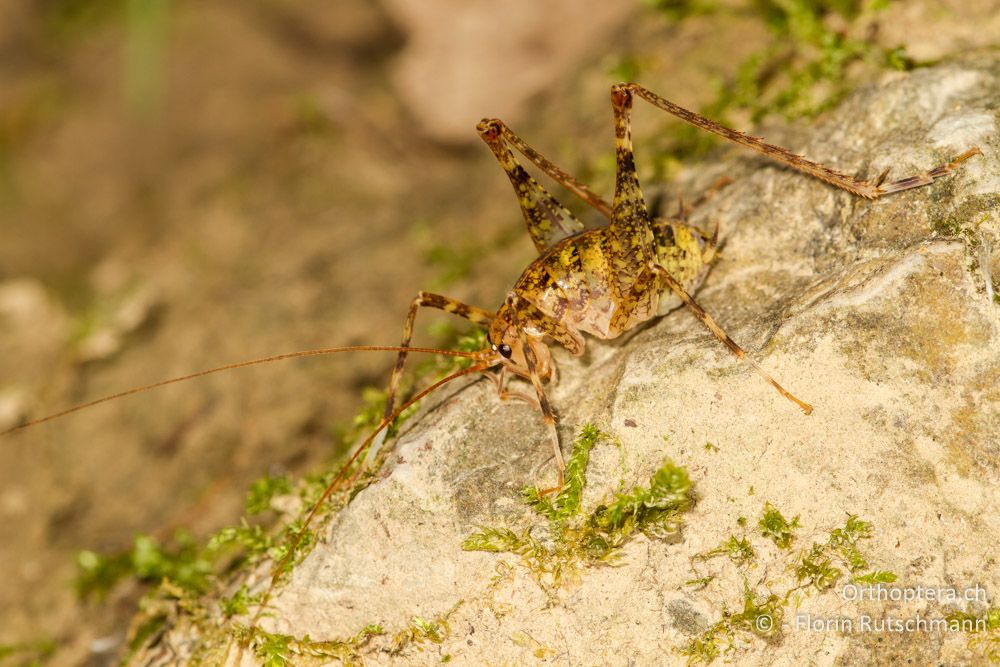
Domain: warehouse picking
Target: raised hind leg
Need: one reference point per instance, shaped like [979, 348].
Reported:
[547, 167]
[630, 247]
[870, 189]
[548, 221]
[629, 228]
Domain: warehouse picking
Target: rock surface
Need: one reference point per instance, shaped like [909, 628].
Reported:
[878, 313]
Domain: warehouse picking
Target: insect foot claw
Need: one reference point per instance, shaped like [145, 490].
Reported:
[554, 489]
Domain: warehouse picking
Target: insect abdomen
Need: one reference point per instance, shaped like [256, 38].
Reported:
[685, 254]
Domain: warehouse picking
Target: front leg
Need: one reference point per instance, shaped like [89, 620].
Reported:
[423, 300]
[500, 379]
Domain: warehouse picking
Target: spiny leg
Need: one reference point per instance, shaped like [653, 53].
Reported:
[738, 351]
[423, 299]
[871, 189]
[684, 210]
[428, 300]
[548, 221]
[551, 170]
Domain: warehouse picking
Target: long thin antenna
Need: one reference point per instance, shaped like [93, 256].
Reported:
[281, 567]
[242, 364]
[357, 452]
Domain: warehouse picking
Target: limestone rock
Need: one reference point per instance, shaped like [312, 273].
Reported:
[877, 313]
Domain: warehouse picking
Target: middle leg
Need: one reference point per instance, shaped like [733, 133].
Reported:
[428, 300]
[712, 326]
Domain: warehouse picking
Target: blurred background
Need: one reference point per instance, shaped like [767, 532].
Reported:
[184, 184]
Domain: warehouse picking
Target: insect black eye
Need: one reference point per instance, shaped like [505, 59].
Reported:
[505, 351]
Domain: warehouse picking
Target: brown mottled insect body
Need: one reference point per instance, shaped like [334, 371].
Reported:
[606, 281]
[571, 284]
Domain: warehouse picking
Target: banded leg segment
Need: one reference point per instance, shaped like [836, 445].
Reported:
[872, 189]
[548, 221]
[548, 415]
[550, 169]
[429, 300]
[630, 235]
[737, 351]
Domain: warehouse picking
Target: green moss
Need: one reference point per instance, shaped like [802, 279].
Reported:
[819, 51]
[983, 630]
[28, 653]
[774, 525]
[824, 564]
[738, 550]
[760, 616]
[567, 502]
[239, 603]
[421, 630]
[150, 627]
[700, 582]
[263, 491]
[946, 226]
[573, 539]
[295, 544]
[654, 510]
[964, 223]
[495, 540]
[816, 569]
[182, 563]
[277, 650]
[808, 67]
[254, 539]
[187, 574]
[844, 542]
[98, 573]
[876, 577]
